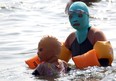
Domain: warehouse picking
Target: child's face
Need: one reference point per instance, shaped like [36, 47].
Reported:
[45, 52]
[48, 48]
[41, 53]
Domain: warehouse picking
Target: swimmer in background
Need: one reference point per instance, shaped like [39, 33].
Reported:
[48, 51]
[88, 2]
[83, 39]
[68, 5]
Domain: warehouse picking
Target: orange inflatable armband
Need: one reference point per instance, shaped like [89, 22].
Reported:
[65, 54]
[104, 50]
[33, 62]
[87, 59]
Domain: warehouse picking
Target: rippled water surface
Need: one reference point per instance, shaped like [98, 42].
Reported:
[24, 22]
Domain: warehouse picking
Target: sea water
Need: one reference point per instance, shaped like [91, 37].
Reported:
[24, 22]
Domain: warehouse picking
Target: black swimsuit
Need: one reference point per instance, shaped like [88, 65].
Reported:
[78, 49]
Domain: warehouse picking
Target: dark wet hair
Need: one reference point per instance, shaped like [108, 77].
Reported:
[86, 1]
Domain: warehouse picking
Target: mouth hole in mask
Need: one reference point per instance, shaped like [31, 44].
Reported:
[76, 24]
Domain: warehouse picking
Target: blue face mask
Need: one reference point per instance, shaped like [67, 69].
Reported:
[79, 20]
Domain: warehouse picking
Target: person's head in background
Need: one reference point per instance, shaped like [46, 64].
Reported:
[87, 2]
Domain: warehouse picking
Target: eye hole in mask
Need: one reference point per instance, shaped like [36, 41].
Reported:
[79, 15]
[79, 12]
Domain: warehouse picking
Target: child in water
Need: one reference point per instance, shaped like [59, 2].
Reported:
[83, 39]
[48, 51]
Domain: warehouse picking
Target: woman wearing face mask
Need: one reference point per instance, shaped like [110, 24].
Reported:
[85, 36]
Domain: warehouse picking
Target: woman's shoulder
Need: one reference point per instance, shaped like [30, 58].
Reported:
[95, 30]
[70, 39]
[72, 34]
[96, 34]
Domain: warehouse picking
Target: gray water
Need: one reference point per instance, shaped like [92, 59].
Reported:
[24, 22]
